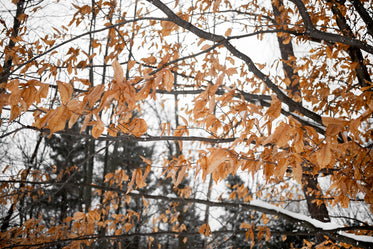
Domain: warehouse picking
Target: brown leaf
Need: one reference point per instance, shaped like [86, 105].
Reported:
[297, 173]
[282, 166]
[79, 216]
[107, 98]
[140, 179]
[334, 121]
[75, 106]
[216, 158]
[86, 121]
[231, 71]
[132, 182]
[29, 95]
[65, 90]
[228, 32]
[118, 71]
[168, 79]
[245, 225]
[205, 230]
[98, 128]
[324, 155]
[74, 117]
[329, 52]
[205, 47]
[138, 127]
[4, 99]
[280, 136]
[180, 130]
[333, 129]
[15, 111]
[95, 94]
[43, 91]
[274, 110]
[216, 5]
[180, 176]
[212, 104]
[298, 141]
[58, 119]
[150, 60]
[167, 27]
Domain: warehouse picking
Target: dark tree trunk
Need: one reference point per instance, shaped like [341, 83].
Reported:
[311, 189]
[287, 52]
[7, 66]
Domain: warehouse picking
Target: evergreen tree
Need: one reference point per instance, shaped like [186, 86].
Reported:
[282, 241]
[61, 200]
[234, 217]
[125, 155]
[187, 214]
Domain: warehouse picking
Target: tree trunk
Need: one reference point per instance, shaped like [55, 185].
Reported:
[7, 66]
[181, 205]
[311, 189]
[355, 53]
[207, 211]
[287, 52]
[91, 142]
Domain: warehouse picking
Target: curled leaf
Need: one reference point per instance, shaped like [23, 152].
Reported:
[138, 127]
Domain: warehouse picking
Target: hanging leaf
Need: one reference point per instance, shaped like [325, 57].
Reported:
[180, 176]
[298, 141]
[138, 127]
[281, 167]
[245, 225]
[205, 230]
[94, 95]
[29, 95]
[274, 110]
[216, 5]
[298, 173]
[150, 60]
[74, 117]
[216, 158]
[140, 179]
[15, 111]
[79, 216]
[65, 90]
[132, 182]
[168, 79]
[228, 32]
[324, 155]
[98, 128]
[58, 119]
[167, 27]
[118, 71]
[43, 92]
[180, 130]
[280, 137]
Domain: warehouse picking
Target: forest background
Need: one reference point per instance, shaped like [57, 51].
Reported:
[186, 124]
